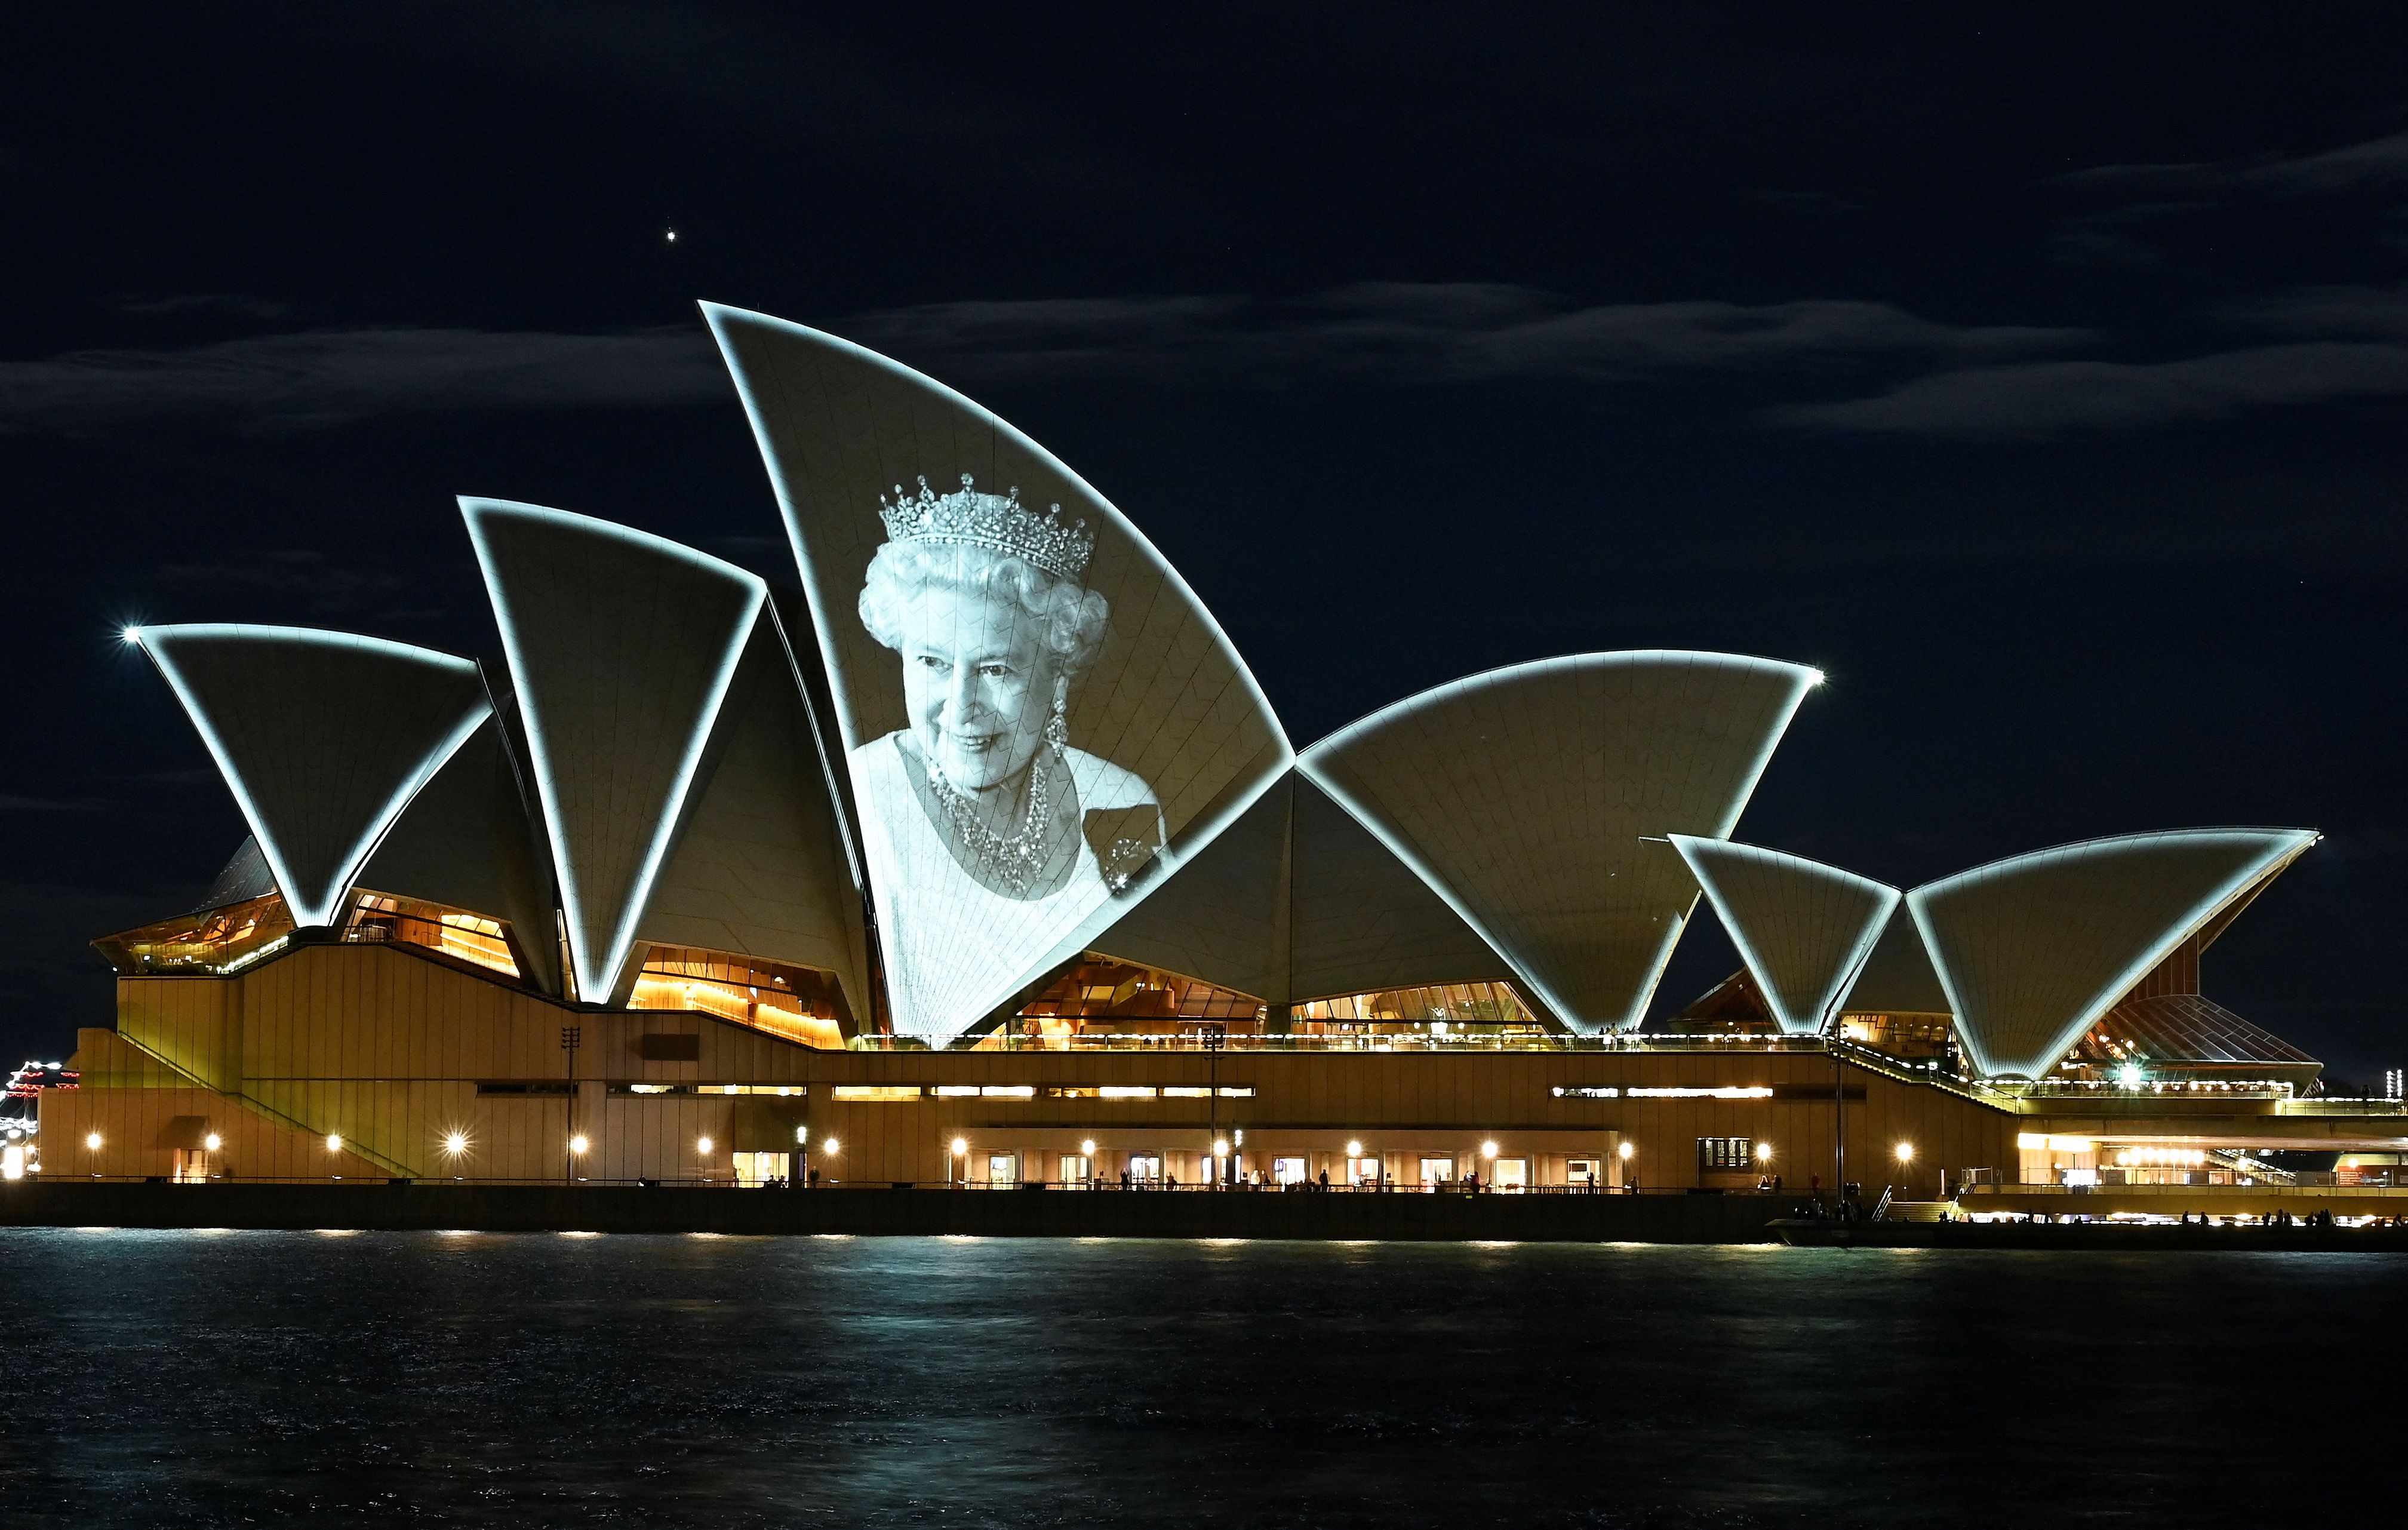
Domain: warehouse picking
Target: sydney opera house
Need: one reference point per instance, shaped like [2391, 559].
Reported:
[976, 857]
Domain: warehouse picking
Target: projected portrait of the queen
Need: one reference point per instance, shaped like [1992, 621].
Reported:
[994, 827]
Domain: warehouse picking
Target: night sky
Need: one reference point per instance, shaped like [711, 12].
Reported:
[2041, 378]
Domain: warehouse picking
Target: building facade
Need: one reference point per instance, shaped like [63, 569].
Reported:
[980, 858]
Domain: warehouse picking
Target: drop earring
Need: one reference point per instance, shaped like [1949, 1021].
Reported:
[1057, 722]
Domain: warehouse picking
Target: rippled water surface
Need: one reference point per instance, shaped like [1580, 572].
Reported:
[181, 1378]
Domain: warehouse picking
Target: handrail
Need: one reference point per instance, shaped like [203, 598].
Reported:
[257, 1107]
[68, 1176]
[2328, 1186]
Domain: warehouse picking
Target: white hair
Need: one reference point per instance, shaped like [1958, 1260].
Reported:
[1073, 619]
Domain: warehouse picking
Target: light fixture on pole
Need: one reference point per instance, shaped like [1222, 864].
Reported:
[1216, 1036]
[571, 1038]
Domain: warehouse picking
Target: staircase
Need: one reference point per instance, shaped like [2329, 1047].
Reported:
[2242, 1165]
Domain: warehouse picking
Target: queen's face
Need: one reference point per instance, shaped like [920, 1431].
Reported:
[978, 681]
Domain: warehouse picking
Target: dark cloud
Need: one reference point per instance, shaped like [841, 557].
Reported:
[1424, 332]
[2051, 397]
[2360, 312]
[2376, 161]
[2118, 236]
[1392, 332]
[298, 381]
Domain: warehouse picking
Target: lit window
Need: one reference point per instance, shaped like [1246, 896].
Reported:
[1754, 1092]
[890, 1093]
[1725, 1154]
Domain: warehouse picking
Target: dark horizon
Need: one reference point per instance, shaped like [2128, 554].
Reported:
[2040, 383]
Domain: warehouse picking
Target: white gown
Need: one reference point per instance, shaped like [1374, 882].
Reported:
[952, 949]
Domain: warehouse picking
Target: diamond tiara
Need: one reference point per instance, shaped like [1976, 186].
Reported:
[996, 521]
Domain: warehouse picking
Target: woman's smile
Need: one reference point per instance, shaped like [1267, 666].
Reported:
[977, 682]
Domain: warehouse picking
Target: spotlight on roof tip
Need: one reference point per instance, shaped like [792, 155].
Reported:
[131, 634]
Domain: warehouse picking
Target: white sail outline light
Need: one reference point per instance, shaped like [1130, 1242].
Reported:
[596, 981]
[2284, 846]
[311, 914]
[1803, 677]
[1201, 831]
[1888, 898]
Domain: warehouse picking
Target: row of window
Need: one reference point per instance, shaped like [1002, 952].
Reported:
[557, 1087]
[896, 1093]
[1007, 1167]
[1702, 1091]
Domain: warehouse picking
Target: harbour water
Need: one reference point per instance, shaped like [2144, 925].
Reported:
[374, 1379]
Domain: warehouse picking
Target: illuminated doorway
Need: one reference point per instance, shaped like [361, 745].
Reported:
[1003, 1170]
[1437, 1172]
[758, 1169]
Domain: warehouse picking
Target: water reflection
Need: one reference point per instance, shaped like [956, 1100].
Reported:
[171, 1378]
